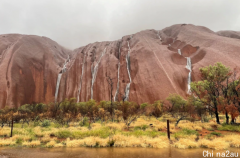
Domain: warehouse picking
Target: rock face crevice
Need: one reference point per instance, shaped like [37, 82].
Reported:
[118, 74]
[145, 67]
[189, 67]
[63, 70]
[94, 70]
[127, 90]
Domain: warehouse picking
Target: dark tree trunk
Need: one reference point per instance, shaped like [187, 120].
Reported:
[217, 117]
[178, 121]
[232, 121]
[12, 128]
[227, 118]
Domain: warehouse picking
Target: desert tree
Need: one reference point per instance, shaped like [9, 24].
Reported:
[178, 107]
[212, 87]
[130, 111]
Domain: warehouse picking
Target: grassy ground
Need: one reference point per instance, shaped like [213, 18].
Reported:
[140, 134]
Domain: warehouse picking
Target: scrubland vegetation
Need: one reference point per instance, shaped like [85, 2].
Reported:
[116, 134]
[194, 121]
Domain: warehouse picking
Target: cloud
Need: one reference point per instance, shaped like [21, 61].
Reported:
[75, 23]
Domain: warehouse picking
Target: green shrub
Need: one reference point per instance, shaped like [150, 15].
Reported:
[189, 131]
[137, 128]
[84, 122]
[19, 141]
[46, 123]
[210, 129]
[36, 123]
[63, 134]
[226, 127]
[216, 133]
[144, 127]
[184, 133]
[103, 132]
[205, 119]
[209, 136]
[111, 142]
[56, 125]
[139, 133]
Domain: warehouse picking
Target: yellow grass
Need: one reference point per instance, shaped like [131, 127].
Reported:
[51, 144]
[217, 144]
[190, 125]
[119, 137]
[74, 143]
[96, 126]
[7, 142]
[38, 132]
[116, 126]
[32, 144]
[186, 143]
[233, 139]
[131, 141]
[58, 145]
[5, 131]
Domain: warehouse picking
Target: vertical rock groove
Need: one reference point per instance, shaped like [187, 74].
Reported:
[189, 67]
[80, 84]
[64, 69]
[119, 55]
[94, 71]
[127, 90]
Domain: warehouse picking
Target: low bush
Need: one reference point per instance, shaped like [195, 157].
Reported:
[103, 132]
[216, 133]
[186, 133]
[46, 123]
[226, 127]
[139, 133]
[63, 134]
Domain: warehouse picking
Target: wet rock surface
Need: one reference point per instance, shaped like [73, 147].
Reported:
[145, 66]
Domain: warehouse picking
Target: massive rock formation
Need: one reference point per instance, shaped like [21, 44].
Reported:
[28, 66]
[145, 66]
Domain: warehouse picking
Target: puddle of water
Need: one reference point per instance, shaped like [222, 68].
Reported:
[107, 153]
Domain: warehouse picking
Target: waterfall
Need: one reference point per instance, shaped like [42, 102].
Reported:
[127, 90]
[80, 86]
[94, 71]
[64, 69]
[179, 51]
[119, 54]
[57, 86]
[159, 36]
[189, 64]
[189, 67]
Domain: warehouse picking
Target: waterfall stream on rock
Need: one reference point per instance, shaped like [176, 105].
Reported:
[189, 67]
[64, 69]
[179, 51]
[127, 90]
[80, 86]
[94, 71]
[117, 90]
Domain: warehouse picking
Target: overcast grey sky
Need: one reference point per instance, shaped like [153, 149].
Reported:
[74, 23]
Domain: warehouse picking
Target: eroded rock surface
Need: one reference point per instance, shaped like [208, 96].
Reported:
[145, 66]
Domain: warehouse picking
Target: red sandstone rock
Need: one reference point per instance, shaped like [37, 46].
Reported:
[30, 65]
